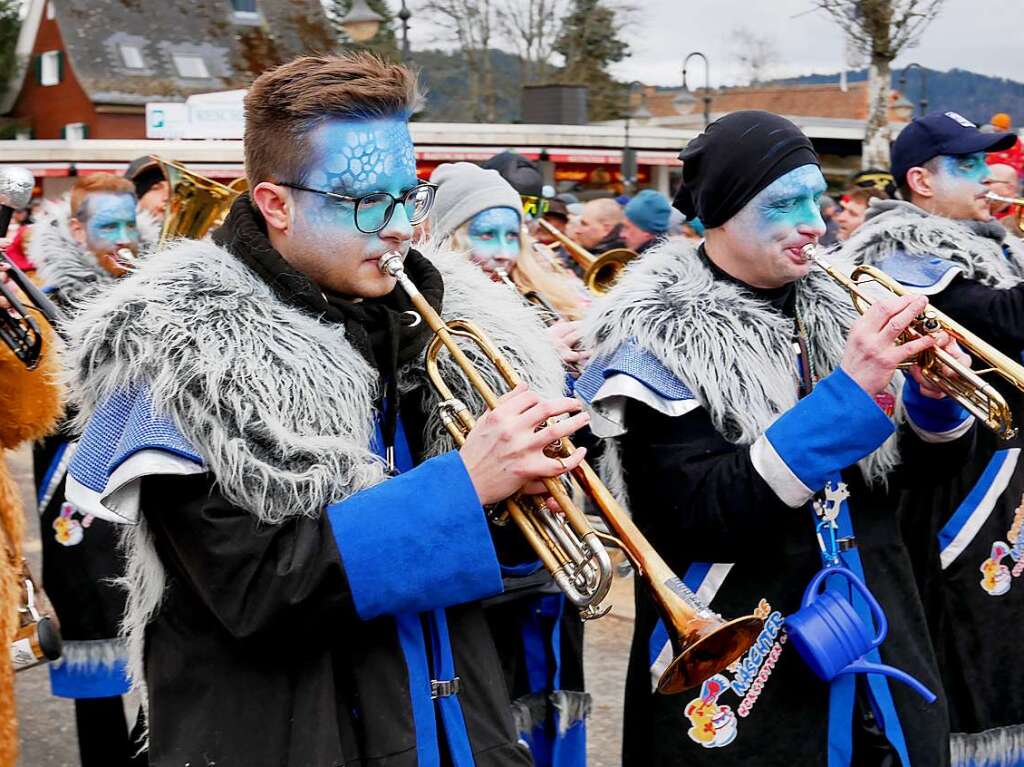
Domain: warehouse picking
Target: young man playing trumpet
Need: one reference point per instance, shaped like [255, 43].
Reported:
[308, 552]
[749, 415]
[940, 240]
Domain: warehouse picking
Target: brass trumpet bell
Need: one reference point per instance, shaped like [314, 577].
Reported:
[196, 204]
[601, 272]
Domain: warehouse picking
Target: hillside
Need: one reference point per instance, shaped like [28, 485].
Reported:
[975, 96]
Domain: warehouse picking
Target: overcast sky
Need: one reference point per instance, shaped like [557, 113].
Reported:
[968, 34]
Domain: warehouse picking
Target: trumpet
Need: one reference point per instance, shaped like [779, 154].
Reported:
[572, 550]
[1016, 202]
[958, 381]
[601, 272]
[551, 314]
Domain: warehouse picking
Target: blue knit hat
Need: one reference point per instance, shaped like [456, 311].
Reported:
[649, 211]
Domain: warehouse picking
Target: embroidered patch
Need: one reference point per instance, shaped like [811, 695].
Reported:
[997, 577]
[714, 724]
[69, 531]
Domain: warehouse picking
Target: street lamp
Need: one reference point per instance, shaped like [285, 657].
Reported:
[629, 168]
[685, 99]
[924, 85]
[361, 23]
[403, 16]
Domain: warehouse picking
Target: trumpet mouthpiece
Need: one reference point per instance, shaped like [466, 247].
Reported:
[391, 263]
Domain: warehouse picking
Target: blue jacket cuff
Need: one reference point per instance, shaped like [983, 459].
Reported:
[830, 429]
[932, 415]
[416, 542]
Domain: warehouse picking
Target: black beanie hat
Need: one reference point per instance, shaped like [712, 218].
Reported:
[735, 158]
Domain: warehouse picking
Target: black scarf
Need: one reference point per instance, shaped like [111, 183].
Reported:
[383, 330]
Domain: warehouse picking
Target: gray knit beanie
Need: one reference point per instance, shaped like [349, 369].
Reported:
[465, 189]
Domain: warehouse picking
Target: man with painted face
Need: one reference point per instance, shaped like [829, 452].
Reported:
[744, 403]
[307, 551]
[84, 246]
[940, 240]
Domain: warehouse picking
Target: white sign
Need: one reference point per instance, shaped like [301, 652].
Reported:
[203, 116]
[166, 120]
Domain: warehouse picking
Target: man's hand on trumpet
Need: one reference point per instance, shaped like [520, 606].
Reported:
[504, 453]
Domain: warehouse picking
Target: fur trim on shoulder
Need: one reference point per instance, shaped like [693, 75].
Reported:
[64, 264]
[729, 348]
[975, 246]
[279, 405]
[998, 747]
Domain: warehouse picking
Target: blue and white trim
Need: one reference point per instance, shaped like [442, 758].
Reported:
[927, 275]
[123, 442]
[956, 535]
[630, 372]
[934, 420]
[830, 429]
[54, 475]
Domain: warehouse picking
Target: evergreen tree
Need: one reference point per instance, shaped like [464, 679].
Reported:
[384, 42]
[9, 26]
[589, 41]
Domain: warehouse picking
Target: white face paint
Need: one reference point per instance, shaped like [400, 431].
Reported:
[762, 244]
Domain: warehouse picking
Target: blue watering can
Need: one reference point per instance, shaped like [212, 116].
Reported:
[832, 639]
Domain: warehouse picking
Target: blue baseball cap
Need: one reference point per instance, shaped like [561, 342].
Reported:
[942, 133]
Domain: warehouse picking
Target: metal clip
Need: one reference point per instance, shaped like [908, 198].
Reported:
[442, 688]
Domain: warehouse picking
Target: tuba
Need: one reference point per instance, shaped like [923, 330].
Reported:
[571, 550]
[959, 382]
[601, 272]
[1018, 208]
[196, 204]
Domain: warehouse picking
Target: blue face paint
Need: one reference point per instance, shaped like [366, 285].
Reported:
[967, 167]
[494, 238]
[351, 157]
[109, 221]
[791, 201]
[355, 158]
[767, 236]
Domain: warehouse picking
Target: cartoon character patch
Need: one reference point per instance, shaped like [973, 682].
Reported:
[997, 578]
[712, 725]
[69, 531]
[715, 724]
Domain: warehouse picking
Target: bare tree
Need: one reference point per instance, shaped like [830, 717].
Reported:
[881, 29]
[531, 27]
[471, 24]
[755, 54]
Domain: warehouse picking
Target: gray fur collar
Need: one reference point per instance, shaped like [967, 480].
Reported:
[68, 267]
[974, 246]
[729, 348]
[279, 405]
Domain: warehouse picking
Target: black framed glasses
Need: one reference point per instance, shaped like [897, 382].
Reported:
[373, 211]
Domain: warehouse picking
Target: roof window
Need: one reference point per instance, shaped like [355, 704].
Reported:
[190, 66]
[131, 55]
